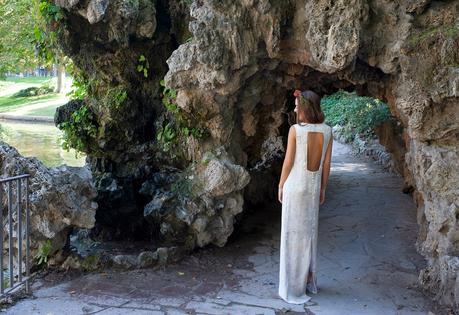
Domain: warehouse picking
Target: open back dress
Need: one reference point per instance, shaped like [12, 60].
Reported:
[300, 215]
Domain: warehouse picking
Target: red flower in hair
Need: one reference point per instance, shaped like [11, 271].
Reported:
[297, 93]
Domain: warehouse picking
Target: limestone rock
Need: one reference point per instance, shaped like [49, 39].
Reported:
[68, 4]
[147, 259]
[222, 177]
[234, 65]
[125, 261]
[96, 10]
[60, 198]
[198, 218]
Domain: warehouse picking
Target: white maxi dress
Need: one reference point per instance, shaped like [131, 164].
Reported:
[300, 219]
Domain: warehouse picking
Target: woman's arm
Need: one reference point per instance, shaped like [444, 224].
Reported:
[326, 169]
[289, 156]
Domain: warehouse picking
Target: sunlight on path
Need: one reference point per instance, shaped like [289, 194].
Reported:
[367, 263]
[26, 109]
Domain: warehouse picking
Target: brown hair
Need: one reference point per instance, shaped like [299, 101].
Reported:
[309, 103]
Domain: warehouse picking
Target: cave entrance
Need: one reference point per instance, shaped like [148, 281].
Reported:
[367, 225]
[123, 231]
[363, 128]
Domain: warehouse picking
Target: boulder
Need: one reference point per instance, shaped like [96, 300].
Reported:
[60, 198]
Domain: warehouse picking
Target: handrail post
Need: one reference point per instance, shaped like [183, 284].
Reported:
[1, 239]
[27, 233]
[10, 233]
[19, 230]
[23, 204]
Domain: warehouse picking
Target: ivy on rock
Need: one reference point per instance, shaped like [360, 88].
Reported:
[177, 124]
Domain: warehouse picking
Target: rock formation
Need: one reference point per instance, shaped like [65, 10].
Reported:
[230, 68]
[60, 198]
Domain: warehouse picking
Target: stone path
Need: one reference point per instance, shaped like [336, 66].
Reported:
[367, 263]
[25, 109]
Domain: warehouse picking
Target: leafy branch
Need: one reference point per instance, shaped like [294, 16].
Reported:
[143, 65]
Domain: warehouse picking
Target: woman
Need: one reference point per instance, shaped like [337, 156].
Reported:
[301, 189]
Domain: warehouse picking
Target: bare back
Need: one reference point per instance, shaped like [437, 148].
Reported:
[315, 143]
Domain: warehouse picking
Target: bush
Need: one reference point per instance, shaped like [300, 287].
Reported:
[356, 114]
[79, 130]
[34, 91]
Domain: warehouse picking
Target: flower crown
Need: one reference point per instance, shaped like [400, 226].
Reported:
[298, 94]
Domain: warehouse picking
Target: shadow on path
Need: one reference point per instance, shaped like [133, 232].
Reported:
[367, 262]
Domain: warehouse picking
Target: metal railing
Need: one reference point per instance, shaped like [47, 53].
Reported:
[16, 211]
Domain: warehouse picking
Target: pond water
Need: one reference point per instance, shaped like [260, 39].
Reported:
[41, 140]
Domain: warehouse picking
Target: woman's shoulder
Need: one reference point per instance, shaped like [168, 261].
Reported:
[327, 126]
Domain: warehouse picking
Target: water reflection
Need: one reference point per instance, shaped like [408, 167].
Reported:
[40, 140]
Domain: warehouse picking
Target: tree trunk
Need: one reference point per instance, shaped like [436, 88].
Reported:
[60, 77]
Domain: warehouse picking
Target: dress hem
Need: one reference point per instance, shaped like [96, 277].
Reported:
[308, 298]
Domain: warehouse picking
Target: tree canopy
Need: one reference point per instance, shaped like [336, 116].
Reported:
[17, 39]
[25, 41]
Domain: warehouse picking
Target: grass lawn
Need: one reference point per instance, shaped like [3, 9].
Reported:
[34, 80]
[8, 103]
[44, 111]
[11, 85]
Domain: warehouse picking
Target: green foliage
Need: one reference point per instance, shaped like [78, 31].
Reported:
[168, 138]
[116, 97]
[49, 11]
[83, 87]
[90, 262]
[17, 49]
[449, 31]
[79, 130]
[9, 102]
[187, 185]
[143, 65]
[34, 91]
[44, 250]
[357, 114]
[80, 84]
[179, 124]
[183, 186]
[79, 88]
[47, 23]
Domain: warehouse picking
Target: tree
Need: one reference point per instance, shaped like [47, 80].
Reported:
[46, 25]
[28, 37]
[17, 40]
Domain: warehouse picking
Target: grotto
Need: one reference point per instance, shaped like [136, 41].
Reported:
[199, 136]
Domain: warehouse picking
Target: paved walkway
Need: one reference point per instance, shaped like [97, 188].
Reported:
[367, 263]
[34, 105]
[42, 119]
